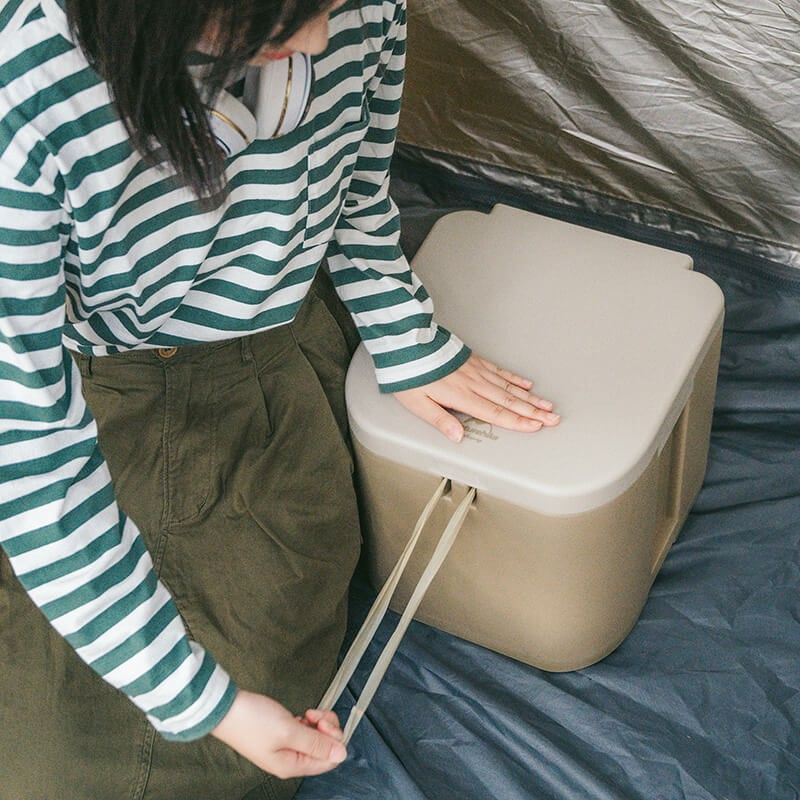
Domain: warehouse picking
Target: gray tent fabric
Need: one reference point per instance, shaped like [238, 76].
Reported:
[679, 114]
[702, 701]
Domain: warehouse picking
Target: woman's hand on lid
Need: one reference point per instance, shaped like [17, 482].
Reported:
[484, 391]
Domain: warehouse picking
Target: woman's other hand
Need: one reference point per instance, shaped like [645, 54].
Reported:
[264, 732]
[484, 391]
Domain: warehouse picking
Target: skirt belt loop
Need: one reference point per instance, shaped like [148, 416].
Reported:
[246, 350]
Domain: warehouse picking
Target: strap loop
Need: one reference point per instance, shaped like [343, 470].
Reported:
[381, 605]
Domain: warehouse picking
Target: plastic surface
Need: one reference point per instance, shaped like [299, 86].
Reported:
[570, 525]
[613, 330]
[557, 592]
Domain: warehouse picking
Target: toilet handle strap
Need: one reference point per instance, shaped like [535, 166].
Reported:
[381, 604]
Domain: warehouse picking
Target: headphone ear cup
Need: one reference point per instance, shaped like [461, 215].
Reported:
[280, 94]
[232, 124]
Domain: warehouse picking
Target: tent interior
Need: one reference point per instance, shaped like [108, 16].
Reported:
[672, 122]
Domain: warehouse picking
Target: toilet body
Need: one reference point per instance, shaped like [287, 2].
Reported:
[570, 525]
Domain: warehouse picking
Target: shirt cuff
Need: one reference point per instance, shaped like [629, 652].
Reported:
[420, 364]
[208, 711]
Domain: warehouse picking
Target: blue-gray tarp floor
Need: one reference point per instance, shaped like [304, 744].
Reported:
[702, 700]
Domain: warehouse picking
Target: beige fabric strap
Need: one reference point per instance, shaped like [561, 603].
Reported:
[381, 605]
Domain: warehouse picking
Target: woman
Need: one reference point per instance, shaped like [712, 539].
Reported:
[165, 329]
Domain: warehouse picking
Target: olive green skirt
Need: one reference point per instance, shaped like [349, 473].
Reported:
[233, 459]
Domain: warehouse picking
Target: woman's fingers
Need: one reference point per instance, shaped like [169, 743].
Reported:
[316, 715]
[325, 721]
[484, 391]
[292, 764]
[311, 747]
[524, 394]
[430, 411]
[502, 393]
[513, 384]
[470, 403]
[500, 415]
[506, 374]
[308, 751]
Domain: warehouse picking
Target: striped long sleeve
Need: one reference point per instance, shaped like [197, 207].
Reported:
[389, 305]
[105, 253]
[80, 559]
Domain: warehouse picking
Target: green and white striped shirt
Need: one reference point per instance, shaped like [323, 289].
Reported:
[102, 254]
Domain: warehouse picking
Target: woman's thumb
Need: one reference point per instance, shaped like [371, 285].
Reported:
[315, 744]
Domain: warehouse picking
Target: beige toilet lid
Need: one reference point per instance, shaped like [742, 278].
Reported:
[612, 331]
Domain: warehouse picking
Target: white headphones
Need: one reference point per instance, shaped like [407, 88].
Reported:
[276, 99]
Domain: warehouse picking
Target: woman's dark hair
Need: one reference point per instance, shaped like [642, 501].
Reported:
[141, 47]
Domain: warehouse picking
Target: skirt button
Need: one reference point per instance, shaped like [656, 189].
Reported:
[167, 352]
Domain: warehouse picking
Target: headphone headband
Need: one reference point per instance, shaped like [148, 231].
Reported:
[276, 99]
